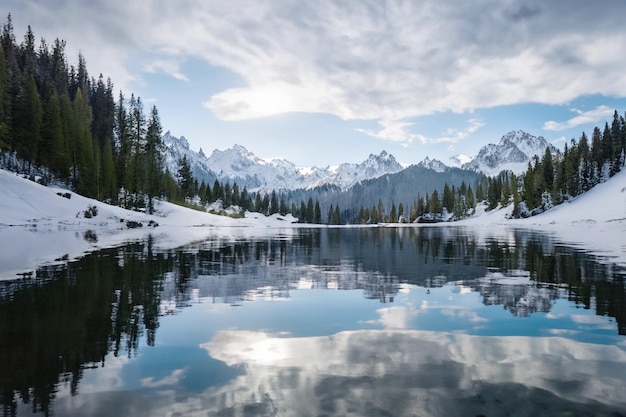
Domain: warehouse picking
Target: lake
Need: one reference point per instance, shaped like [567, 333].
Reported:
[428, 321]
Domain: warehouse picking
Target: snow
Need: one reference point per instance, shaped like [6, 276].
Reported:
[594, 221]
[512, 153]
[238, 164]
[37, 226]
[346, 175]
[434, 164]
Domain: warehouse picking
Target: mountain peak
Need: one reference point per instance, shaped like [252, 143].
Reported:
[512, 152]
[434, 164]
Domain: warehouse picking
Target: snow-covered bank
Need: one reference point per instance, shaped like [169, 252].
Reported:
[594, 221]
[39, 226]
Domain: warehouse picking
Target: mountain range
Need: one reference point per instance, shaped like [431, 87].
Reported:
[240, 165]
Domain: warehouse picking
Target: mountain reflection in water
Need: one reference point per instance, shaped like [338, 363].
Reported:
[127, 331]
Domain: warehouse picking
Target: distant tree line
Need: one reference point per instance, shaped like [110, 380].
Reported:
[204, 195]
[548, 181]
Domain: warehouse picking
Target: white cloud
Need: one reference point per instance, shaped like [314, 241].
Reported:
[389, 61]
[397, 317]
[460, 159]
[397, 131]
[172, 379]
[170, 68]
[599, 114]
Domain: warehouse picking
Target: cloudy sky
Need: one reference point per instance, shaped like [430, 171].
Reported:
[324, 82]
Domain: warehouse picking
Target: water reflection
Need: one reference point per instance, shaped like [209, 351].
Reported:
[396, 373]
[93, 315]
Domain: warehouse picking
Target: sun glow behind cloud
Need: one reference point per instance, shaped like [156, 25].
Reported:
[391, 62]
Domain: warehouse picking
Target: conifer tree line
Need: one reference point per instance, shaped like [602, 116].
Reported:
[548, 181]
[457, 201]
[552, 179]
[203, 195]
[55, 117]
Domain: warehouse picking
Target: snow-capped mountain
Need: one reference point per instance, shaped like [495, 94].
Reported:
[434, 164]
[177, 148]
[512, 153]
[238, 164]
[346, 174]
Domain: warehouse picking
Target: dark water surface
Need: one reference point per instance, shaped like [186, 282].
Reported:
[325, 322]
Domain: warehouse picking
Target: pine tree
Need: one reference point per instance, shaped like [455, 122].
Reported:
[153, 157]
[185, 178]
[108, 182]
[480, 194]
[302, 213]
[64, 156]
[83, 152]
[310, 211]
[228, 195]
[469, 198]
[548, 170]
[27, 121]
[274, 207]
[317, 213]
[51, 134]
[137, 164]
[265, 205]
[58, 68]
[435, 203]
[393, 214]
[448, 198]
[103, 110]
[616, 162]
[5, 105]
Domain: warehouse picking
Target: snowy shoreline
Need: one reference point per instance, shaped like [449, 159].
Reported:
[40, 227]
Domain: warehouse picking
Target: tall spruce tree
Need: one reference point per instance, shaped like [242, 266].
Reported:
[154, 157]
[85, 176]
[5, 105]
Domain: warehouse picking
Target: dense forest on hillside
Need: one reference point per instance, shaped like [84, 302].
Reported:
[58, 124]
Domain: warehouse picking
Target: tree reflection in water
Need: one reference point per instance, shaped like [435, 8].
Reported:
[70, 317]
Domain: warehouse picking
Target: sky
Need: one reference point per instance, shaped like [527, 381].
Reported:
[324, 82]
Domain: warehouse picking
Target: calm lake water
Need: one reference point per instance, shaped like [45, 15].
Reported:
[323, 322]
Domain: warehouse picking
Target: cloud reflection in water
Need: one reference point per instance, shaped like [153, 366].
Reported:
[399, 372]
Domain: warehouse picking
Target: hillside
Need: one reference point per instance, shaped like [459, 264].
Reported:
[595, 220]
[38, 226]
